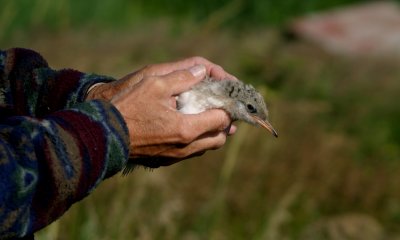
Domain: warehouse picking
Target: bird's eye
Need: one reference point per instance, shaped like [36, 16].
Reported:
[251, 108]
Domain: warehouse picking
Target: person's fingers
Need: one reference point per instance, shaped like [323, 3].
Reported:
[129, 80]
[165, 68]
[183, 80]
[208, 141]
[212, 69]
[172, 153]
[208, 121]
[232, 130]
[217, 72]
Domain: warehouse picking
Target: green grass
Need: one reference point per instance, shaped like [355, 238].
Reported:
[26, 15]
[337, 153]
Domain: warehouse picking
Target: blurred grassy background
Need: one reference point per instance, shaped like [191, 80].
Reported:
[333, 173]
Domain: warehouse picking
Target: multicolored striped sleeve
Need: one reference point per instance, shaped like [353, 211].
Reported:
[32, 88]
[56, 152]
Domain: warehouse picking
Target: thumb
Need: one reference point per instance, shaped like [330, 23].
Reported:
[181, 81]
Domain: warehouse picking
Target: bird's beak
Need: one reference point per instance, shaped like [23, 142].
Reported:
[265, 124]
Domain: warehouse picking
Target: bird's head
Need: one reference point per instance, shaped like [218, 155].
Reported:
[249, 105]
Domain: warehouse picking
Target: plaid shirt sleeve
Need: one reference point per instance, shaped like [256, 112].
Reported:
[55, 147]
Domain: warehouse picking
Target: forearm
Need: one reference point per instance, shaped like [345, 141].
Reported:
[56, 161]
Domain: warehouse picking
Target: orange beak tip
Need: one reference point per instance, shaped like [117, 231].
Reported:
[266, 125]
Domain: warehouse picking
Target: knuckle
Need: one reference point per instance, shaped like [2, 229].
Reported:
[178, 75]
[185, 134]
[220, 68]
[224, 120]
[155, 82]
[184, 76]
[219, 141]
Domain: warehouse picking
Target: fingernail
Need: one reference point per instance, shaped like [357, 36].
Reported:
[198, 71]
[232, 130]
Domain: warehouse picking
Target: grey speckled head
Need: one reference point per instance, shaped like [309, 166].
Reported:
[242, 101]
[246, 97]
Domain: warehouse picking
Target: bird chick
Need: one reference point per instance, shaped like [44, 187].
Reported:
[241, 101]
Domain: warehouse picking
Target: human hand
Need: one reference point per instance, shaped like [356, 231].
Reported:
[146, 99]
[108, 90]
